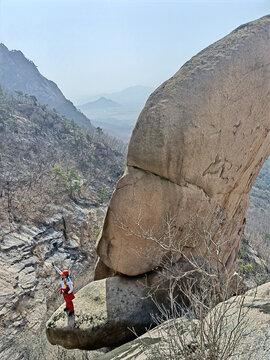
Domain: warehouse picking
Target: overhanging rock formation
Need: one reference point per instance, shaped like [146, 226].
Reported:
[197, 148]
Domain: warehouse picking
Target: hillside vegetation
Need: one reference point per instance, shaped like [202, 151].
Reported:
[47, 161]
[55, 180]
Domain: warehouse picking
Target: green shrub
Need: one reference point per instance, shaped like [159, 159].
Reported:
[248, 269]
[96, 234]
[89, 138]
[71, 179]
[70, 125]
[103, 194]
[99, 130]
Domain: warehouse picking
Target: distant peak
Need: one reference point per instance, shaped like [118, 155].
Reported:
[18, 52]
[3, 47]
[104, 100]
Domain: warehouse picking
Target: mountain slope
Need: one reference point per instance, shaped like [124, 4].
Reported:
[20, 74]
[55, 180]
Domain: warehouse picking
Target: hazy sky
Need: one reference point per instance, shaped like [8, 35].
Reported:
[94, 46]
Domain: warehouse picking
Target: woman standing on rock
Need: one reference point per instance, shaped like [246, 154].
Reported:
[66, 289]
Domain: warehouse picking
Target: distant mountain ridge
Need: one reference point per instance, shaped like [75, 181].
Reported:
[100, 103]
[117, 112]
[133, 95]
[17, 73]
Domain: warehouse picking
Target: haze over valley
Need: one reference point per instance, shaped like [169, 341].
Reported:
[117, 112]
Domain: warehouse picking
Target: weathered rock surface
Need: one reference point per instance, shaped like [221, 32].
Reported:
[29, 284]
[105, 312]
[255, 339]
[163, 341]
[197, 148]
[152, 345]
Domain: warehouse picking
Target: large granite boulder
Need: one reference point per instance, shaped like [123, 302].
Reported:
[197, 148]
[106, 311]
[249, 340]
[195, 152]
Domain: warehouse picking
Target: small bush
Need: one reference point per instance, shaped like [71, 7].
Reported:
[96, 233]
[103, 194]
[248, 269]
[71, 179]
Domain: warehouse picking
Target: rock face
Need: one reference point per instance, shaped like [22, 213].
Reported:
[163, 341]
[30, 283]
[197, 148]
[152, 345]
[105, 313]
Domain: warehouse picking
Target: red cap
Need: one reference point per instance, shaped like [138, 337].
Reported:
[65, 273]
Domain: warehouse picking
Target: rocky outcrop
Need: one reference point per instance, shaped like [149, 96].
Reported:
[29, 283]
[106, 312]
[152, 345]
[109, 311]
[197, 148]
[163, 342]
